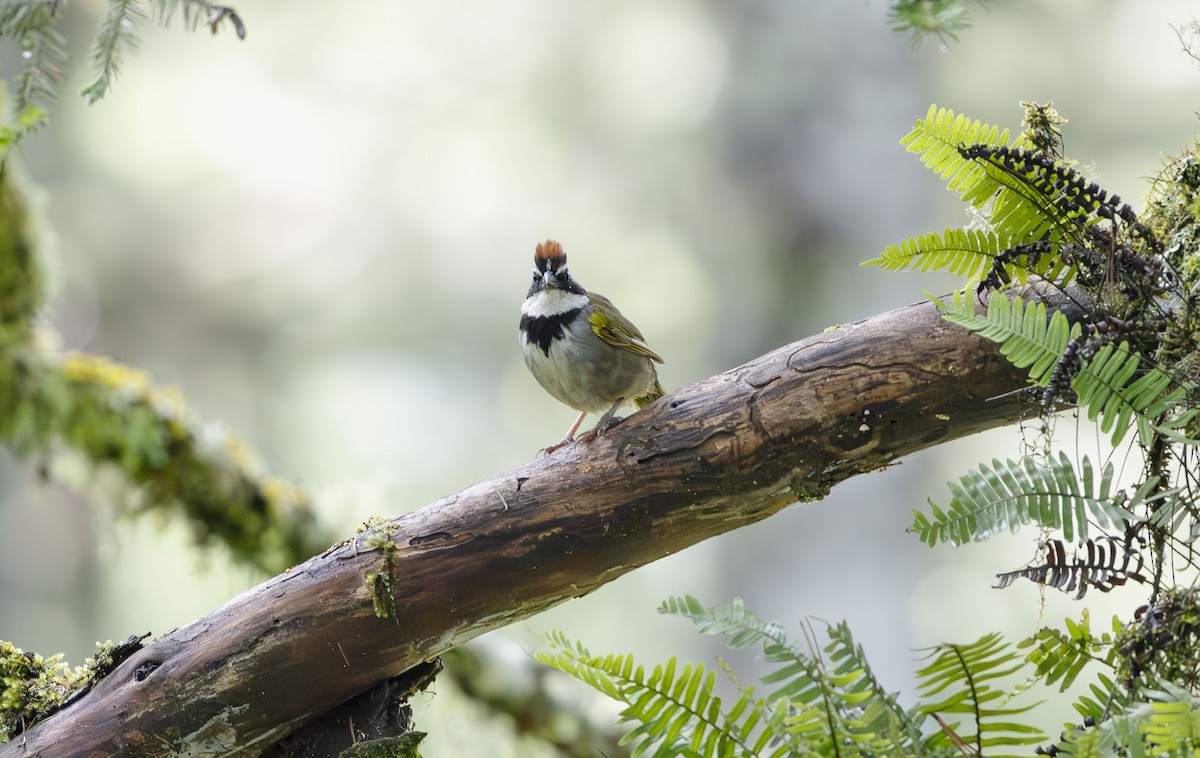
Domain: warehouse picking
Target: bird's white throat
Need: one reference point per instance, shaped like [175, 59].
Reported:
[552, 302]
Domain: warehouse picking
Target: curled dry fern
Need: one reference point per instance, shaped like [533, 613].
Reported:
[1104, 564]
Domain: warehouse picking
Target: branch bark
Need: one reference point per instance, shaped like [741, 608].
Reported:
[711, 457]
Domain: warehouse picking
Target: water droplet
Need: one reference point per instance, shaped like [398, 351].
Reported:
[26, 54]
[944, 48]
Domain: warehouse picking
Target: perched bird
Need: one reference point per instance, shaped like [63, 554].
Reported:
[580, 348]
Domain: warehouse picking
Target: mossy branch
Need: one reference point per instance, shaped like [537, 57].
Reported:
[108, 415]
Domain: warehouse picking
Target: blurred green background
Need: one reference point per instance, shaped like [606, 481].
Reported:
[322, 236]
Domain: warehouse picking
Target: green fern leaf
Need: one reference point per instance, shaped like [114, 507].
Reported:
[972, 254]
[1028, 338]
[1020, 210]
[838, 703]
[964, 677]
[1174, 724]
[1104, 388]
[1060, 655]
[741, 625]
[1039, 197]
[938, 137]
[961, 252]
[675, 712]
[1088, 743]
[1168, 725]
[884, 715]
[1105, 385]
[1103, 698]
[797, 674]
[1008, 495]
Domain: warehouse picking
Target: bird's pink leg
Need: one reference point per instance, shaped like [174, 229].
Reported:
[568, 438]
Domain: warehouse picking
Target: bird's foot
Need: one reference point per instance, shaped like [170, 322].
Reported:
[568, 440]
[605, 423]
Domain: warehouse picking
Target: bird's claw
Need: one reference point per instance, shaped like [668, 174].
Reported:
[568, 440]
[606, 424]
[603, 426]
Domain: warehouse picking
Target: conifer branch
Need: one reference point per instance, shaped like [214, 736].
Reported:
[116, 35]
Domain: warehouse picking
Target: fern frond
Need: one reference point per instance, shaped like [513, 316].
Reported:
[1176, 512]
[964, 677]
[1174, 723]
[676, 711]
[1035, 193]
[883, 713]
[798, 673]
[1043, 193]
[1121, 734]
[1107, 563]
[1104, 385]
[1167, 725]
[938, 137]
[837, 704]
[1106, 388]
[1028, 338]
[1060, 655]
[115, 36]
[961, 252]
[1008, 495]
[1103, 698]
[742, 625]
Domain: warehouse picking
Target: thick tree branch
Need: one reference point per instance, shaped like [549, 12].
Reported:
[709, 458]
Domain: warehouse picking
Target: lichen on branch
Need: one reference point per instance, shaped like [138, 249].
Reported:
[89, 409]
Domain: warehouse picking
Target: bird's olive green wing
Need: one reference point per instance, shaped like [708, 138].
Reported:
[618, 331]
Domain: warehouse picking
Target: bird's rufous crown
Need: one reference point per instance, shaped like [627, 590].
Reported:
[549, 249]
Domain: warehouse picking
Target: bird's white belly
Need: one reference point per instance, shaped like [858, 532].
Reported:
[587, 374]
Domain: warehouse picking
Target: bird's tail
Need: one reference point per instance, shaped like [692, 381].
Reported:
[651, 396]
